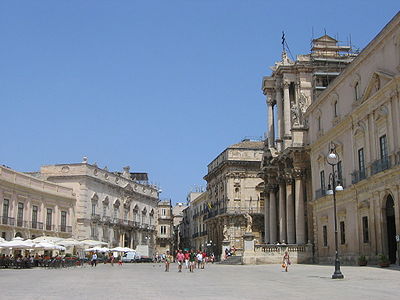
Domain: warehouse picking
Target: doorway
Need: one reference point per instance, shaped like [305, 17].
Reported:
[391, 229]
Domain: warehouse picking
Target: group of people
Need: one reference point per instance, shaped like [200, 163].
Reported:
[191, 259]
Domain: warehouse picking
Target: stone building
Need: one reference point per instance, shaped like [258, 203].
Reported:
[31, 207]
[177, 213]
[233, 195]
[359, 114]
[117, 208]
[164, 227]
[200, 210]
[290, 90]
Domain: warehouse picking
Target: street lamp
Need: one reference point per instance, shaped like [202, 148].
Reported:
[333, 159]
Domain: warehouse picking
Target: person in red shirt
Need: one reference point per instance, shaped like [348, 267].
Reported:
[180, 257]
[187, 255]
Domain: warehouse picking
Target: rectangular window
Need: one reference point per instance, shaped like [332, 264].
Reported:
[365, 229]
[34, 216]
[63, 221]
[6, 205]
[115, 212]
[104, 210]
[163, 212]
[325, 235]
[319, 124]
[322, 179]
[357, 91]
[342, 233]
[49, 217]
[93, 208]
[361, 162]
[20, 214]
[340, 172]
[383, 147]
[335, 109]
[163, 229]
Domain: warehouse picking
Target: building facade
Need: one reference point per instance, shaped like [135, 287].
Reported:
[117, 208]
[289, 91]
[359, 114]
[177, 215]
[234, 200]
[199, 207]
[31, 207]
[164, 227]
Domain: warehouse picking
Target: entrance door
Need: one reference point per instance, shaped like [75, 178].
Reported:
[391, 229]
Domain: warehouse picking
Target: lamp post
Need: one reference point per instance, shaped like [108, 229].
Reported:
[333, 160]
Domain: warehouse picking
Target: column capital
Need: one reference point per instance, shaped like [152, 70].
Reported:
[285, 83]
[271, 187]
[299, 173]
[288, 175]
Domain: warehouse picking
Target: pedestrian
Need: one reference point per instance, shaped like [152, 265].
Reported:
[286, 261]
[94, 259]
[192, 261]
[199, 257]
[187, 259]
[180, 257]
[168, 260]
[112, 259]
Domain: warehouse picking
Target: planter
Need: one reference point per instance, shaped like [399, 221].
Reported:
[384, 264]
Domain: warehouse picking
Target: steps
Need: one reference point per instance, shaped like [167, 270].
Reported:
[232, 260]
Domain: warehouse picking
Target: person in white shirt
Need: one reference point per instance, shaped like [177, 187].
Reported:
[94, 259]
[199, 258]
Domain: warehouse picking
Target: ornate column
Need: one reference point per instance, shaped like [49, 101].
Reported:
[289, 208]
[278, 99]
[299, 206]
[282, 211]
[286, 109]
[271, 128]
[272, 214]
[266, 217]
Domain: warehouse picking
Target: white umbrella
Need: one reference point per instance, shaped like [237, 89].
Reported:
[121, 249]
[51, 239]
[16, 245]
[46, 246]
[97, 249]
[68, 242]
[92, 243]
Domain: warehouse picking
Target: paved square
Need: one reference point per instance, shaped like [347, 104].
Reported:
[149, 281]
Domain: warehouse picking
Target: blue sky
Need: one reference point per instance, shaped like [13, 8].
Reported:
[162, 86]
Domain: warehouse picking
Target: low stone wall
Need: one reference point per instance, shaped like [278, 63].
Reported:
[273, 254]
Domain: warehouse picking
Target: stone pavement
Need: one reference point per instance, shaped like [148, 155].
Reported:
[149, 281]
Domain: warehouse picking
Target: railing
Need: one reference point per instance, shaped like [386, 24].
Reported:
[380, 165]
[152, 227]
[282, 248]
[36, 225]
[7, 221]
[49, 227]
[357, 176]
[65, 228]
[117, 221]
[106, 219]
[195, 235]
[203, 233]
[320, 193]
[95, 217]
[22, 223]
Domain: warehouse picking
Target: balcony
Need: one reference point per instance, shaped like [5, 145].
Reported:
[203, 233]
[320, 193]
[195, 235]
[357, 176]
[95, 217]
[64, 228]
[380, 165]
[36, 225]
[49, 227]
[106, 219]
[7, 221]
[22, 223]
[117, 221]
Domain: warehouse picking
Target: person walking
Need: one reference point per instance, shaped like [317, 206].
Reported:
[199, 258]
[180, 257]
[192, 261]
[168, 260]
[286, 261]
[187, 255]
[94, 259]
